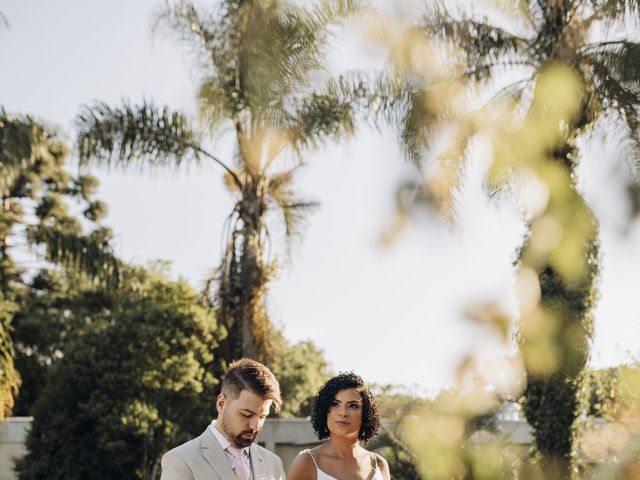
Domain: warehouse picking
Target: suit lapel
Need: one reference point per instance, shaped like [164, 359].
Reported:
[258, 466]
[215, 456]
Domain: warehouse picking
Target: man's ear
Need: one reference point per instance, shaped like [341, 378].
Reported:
[220, 402]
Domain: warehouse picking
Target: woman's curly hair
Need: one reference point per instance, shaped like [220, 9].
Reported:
[327, 394]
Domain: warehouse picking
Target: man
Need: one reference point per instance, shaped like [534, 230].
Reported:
[225, 450]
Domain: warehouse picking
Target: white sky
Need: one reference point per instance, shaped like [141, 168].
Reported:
[391, 314]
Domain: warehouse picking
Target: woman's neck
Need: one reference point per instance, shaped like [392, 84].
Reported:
[344, 446]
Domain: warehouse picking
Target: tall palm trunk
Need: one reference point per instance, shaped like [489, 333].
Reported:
[555, 337]
[244, 277]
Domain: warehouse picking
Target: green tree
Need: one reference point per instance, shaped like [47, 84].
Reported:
[132, 382]
[567, 42]
[53, 306]
[258, 60]
[35, 192]
[301, 370]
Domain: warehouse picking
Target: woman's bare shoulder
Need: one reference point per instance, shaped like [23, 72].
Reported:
[320, 449]
[302, 467]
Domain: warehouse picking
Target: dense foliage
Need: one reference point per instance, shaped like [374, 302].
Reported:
[132, 383]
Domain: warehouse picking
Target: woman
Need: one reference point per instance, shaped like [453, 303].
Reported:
[345, 411]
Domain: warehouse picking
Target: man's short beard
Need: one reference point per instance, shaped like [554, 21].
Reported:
[237, 440]
[240, 442]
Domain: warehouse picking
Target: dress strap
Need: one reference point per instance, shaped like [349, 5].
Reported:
[374, 461]
[312, 458]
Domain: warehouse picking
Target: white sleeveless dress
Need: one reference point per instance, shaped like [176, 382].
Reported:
[377, 474]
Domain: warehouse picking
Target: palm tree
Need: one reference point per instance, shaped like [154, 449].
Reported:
[259, 60]
[34, 216]
[536, 38]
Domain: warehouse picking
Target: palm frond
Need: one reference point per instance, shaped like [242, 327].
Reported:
[216, 42]
[295, 212]
[512, 95]
[144, 133]
[327, 12]
[420, 120]
[613, 12]
[328, 114]
[450, 168]
[281, 182]
[213, 103]
[622, 59]
[485, 73]
[406, 102]
[390, 95]
[197, 32]
[415, 128]
[611, 91]
[620, 98]
[279, 51]
[480, 43]
[282, 45]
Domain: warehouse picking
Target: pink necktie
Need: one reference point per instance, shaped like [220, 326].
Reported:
[242, 472]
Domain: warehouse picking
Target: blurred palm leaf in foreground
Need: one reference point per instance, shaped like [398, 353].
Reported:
[544, 73]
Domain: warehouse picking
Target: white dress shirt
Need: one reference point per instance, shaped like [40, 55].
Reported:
[224, 443]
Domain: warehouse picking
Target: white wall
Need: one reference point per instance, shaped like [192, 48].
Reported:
[13, 433]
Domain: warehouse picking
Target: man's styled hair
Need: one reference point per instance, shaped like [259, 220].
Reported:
[326, 396]
[247, 374]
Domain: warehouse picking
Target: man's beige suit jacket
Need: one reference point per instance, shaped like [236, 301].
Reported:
[203, 459]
